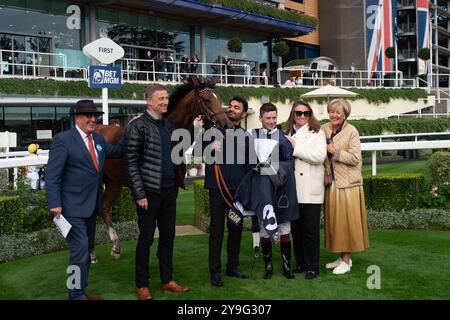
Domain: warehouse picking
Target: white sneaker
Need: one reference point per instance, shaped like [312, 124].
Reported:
[342, 268]
[334, 264]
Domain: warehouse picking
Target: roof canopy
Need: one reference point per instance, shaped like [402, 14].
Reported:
[200, 13]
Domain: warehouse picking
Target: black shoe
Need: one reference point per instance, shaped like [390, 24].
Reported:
[299, 270]
[216, 280]
[311, 275]
[235, 272]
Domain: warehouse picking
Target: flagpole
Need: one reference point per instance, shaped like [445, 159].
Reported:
[396, 52]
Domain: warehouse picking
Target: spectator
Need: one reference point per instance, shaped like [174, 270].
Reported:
[309, 144]
[194, 63]
[226, 67]
[290, 83]
[74, 187]
[154, 182]
[184, 66]
[170, 65]
[345, 212]
[160, 66]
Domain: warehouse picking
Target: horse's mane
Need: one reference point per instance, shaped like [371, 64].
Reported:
[181, 91]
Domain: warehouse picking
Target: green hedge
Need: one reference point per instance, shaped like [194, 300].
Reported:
[11, 215]
[22, 245]
[393, 191]
[25, 210]
[136, 91]
[437, 194]
[251, 6]
[124, 208]
[397, 126]
[201, 205]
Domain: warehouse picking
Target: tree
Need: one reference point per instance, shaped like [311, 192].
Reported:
[235, 45]
[280, 49]
[424, 54]
[390, 52]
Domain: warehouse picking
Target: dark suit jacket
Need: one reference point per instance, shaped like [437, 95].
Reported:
[71, 180]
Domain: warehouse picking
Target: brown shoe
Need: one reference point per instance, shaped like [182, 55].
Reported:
[94, 297]
[172, 286]
[143, 294]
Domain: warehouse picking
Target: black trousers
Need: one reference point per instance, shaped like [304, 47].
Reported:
[161, 212]
[218, 212]
[306, 236]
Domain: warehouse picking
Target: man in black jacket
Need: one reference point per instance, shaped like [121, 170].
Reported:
[232, 173]
[154, 182]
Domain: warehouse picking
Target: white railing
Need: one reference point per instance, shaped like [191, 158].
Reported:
[21, 158]
[344, 78]
[402, 145]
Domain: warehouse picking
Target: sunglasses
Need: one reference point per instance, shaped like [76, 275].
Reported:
[303, 113]
[90, 115]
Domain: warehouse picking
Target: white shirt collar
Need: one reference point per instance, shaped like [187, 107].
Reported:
[266, 131]
[83, 134]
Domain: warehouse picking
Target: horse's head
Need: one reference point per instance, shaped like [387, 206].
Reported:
[194, 98]
[209, 105]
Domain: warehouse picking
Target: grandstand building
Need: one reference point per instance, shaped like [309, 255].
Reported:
[44, 39]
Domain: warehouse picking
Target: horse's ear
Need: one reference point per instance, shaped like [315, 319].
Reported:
[195, 81]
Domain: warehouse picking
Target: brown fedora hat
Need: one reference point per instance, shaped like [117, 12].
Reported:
[85, 107]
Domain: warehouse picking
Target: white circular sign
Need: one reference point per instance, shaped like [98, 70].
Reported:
[103, 50]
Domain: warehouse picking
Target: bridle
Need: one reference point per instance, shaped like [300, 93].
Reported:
[204, 110]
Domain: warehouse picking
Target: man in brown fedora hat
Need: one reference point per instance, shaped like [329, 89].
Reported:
[74, 179]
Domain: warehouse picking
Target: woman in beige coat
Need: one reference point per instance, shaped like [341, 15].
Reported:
[345, 212]
[309, 144]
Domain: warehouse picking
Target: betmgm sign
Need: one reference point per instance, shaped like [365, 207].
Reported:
[105, 77]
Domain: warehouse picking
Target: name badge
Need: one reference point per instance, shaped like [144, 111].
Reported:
[99, 147]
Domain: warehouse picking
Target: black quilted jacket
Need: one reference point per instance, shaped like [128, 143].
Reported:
[142, 157]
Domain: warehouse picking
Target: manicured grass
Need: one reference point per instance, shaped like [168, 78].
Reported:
[400, 167]
[185, 206]
[413, 264]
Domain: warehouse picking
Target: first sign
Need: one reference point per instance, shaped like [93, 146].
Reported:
[103, 50]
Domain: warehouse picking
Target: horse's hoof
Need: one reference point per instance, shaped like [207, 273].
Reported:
[115, 255]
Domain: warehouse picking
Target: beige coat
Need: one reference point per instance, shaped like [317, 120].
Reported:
[309, 153]
[347, 160]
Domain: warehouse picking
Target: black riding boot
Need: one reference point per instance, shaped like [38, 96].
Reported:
[267, 253]
[286, 256]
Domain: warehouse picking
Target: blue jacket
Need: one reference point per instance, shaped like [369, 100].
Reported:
[71, 180]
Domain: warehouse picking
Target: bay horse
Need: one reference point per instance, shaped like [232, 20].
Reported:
[193, 98]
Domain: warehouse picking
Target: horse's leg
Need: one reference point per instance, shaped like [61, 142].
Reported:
[112, 191]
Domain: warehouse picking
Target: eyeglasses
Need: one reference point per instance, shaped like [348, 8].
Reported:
[90, 115]
[301, 113]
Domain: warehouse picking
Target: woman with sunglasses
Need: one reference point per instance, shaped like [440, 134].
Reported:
[345, 212]
[310, 151]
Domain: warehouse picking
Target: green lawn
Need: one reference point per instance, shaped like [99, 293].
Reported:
[185, 206]
[398, 167]
[413, 264]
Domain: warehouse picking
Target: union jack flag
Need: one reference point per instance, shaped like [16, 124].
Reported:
[423, 33]
[380, 15]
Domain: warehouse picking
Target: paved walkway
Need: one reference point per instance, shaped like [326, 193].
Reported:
[186, 230]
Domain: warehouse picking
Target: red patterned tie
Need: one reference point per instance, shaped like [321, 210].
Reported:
[92, 151]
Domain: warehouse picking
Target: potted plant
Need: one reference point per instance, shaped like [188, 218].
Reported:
[280, 49]
[194, 166]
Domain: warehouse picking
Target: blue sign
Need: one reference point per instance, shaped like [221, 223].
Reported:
[105, 77]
